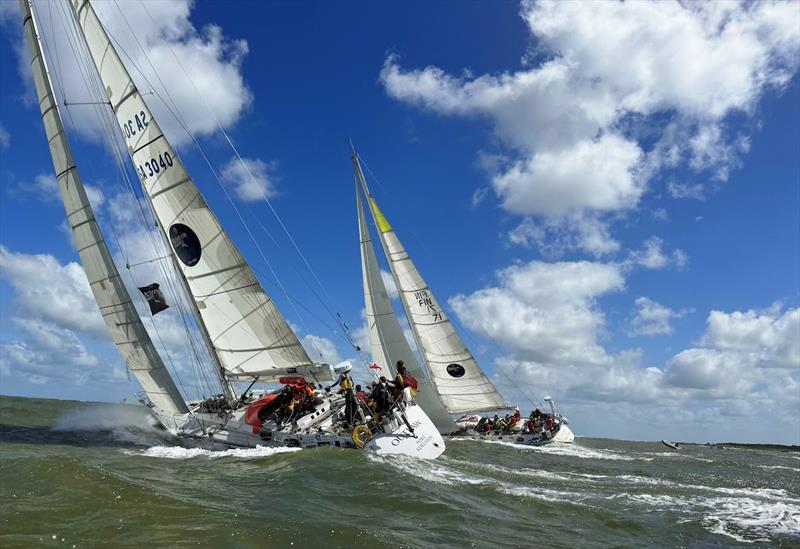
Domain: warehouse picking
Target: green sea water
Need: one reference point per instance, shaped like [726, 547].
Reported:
[97, 475]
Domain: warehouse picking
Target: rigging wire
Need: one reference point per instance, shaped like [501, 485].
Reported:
[109, 129]
[179, 119]
[337, 317]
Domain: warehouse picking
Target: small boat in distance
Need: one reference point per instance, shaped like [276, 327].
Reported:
[672, 445]
[451, 383]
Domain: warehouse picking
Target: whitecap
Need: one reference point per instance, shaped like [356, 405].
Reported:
[795, 469]
[571, 450]
[179, 452]
[429, 471]
[765, 493]
[733, 517]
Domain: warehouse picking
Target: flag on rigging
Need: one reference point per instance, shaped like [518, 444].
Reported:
[154, 298]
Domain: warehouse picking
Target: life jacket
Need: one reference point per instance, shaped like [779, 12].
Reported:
[361, 395]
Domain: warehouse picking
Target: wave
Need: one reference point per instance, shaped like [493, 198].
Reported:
[741, 518]
[429, 470]
[570, 450]
[179, 452]
[735, 517]
[766, 493]
[128, 424]
[676, 455]
[795, 469]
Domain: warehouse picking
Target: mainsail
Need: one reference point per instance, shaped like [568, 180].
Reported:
[387, 341]
[460, 382]
[244, 328]
[119, 313]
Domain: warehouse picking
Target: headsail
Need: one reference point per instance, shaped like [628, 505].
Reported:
[460, 382]
[112, 297]
[247, 333]
[387, 341]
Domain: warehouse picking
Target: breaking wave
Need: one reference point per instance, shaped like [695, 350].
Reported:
[179, 452]
[570, 450]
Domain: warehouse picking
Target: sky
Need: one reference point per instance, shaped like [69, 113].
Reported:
[605, 196]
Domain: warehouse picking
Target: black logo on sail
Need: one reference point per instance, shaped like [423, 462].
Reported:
[456, 370]
[154, 298]
[185, 243]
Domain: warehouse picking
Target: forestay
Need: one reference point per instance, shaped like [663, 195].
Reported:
[247, 332]
[119, 313]
[387, 341]
[460, 382]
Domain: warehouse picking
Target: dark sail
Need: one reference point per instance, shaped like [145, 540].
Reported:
[154, 298]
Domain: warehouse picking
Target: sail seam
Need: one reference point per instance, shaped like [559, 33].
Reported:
[255, 349]
[218, 271]
[226, 291]
[136, 150]
[154, 194]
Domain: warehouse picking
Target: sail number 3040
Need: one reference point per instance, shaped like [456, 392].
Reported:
[155, 165]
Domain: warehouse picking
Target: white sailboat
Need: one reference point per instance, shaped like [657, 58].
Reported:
[246, 336]
[453, 384]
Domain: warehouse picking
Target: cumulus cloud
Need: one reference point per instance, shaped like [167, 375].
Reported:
[191, 69]
[50, 291]
[652, 318]
[544, 312]
[321, 349]
[47, 352]
[572, 116]
[252, 178]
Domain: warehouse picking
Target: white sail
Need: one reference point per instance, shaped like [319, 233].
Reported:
[248, 334]
[118, 311]
[460, 382]
[386, 338]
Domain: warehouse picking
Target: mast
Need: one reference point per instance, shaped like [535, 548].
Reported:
[245, 329]
[387, 340]
[117, 308]
[459, 380]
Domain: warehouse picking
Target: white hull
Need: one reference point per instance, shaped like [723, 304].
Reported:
[563, 435]
[312, 431]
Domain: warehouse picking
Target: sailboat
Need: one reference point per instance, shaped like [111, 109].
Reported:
[453, 383]
[245, 335]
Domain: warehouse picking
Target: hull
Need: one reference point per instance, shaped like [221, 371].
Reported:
[408, 431]
[562, 435]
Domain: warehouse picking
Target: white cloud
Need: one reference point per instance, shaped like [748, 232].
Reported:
[207, 75]
[553, 239]
[591, 175]
[686, 190]
[321, 349]
[545, 312]
[252, 179]
[652, 318]
[652, 255]
[48, 291]
[568, 114]
[771, 338]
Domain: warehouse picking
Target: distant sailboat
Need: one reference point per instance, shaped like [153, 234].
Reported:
[454, 383]
[245, 334]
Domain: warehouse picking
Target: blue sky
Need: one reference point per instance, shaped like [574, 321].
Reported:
[606, 195]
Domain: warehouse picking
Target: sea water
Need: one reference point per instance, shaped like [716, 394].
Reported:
[90, 475]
